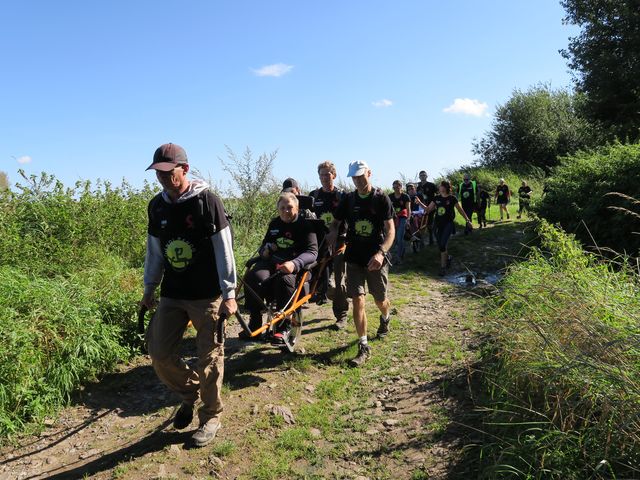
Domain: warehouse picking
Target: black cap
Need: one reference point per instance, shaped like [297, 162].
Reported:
[167, 157]
[289, 184]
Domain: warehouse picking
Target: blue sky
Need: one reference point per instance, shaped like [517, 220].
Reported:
[90, 89]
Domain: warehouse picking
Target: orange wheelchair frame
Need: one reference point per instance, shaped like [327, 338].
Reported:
[292, 309]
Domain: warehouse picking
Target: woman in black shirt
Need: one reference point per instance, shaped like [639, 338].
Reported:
[503, 195]
[445, 205]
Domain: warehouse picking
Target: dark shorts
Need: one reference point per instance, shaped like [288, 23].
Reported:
[359, 278]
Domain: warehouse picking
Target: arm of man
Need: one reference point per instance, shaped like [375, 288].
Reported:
[339, 215]
[376, 262]
[226, 267]
[153, 270]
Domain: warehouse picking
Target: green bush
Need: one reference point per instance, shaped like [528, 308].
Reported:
[563, 380]
[577, 193]
[48, 229]
[53, 337]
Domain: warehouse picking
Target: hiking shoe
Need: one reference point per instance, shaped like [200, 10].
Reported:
[183, 417]
[205, 433]
[383, 329]
[442, 272]
[341, 323]
[364, 352]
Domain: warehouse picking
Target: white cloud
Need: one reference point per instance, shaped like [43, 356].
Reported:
[468, 106]
[385, 102]
[24, 159]
[275, 70]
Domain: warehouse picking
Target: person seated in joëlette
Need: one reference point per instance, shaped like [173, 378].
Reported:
[289, 245]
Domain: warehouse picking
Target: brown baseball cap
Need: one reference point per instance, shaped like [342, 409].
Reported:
[167, 157]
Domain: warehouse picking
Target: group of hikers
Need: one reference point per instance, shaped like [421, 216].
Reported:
[426, 209]
[190, 257]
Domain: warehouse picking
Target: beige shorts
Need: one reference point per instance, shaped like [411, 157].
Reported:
[359, 278]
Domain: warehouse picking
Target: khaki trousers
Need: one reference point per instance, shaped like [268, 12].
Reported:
[164, 334]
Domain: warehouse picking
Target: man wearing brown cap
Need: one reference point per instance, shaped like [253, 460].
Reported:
[190, 255]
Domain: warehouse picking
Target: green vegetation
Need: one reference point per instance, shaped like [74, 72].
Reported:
[578, 196]
[563, 381]
[606, 61]
[533, 128]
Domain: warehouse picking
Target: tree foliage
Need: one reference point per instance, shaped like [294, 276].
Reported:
[4, 181]
[605, 57]
[533, 128]
[579, 197]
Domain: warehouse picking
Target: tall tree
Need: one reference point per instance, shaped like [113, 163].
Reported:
[4, 181]
[605, 57]
[533, 128]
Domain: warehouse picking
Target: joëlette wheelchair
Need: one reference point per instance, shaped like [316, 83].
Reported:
[307, 282]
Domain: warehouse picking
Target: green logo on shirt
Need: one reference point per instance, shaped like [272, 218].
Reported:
[179, 253]
[364, 228]
[327, 218]
[500, 193]
[465, 195]
[441, 211]
[284, 243]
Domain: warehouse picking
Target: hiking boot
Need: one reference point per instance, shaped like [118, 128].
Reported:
[183, 417]
[364, 352]
[341, 323]
[442, 272]
[205, 433]
[383, 329]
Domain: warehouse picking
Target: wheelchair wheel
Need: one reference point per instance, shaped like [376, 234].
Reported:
[294, 334]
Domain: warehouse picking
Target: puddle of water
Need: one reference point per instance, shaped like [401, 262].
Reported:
[466, 279]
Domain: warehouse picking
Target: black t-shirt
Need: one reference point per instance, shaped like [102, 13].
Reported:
[484, 198]
[467, 193]
[415, 206]
[502, 192]
[445, 209]
[399, 204]
[523, 193]
[325, 204]
[428, 190]
[365, 219]
[185, 231]
[294, 240]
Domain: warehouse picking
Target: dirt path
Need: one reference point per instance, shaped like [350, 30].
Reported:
[399, 417]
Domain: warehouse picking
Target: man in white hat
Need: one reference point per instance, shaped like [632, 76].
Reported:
[369, 215]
